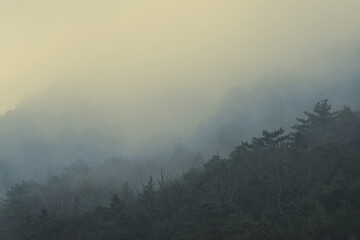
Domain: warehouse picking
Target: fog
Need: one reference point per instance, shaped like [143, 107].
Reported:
[153, 49]
[142, 79]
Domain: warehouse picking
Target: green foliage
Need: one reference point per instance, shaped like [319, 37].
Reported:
[302, 185]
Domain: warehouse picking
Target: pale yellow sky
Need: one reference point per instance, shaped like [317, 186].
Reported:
[157, 49]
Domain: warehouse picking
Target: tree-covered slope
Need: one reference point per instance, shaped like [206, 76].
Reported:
[300, 185]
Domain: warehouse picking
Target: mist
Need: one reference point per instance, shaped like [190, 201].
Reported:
[191, 119]
[141, 79]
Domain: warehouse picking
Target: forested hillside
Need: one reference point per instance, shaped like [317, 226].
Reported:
[304, 184]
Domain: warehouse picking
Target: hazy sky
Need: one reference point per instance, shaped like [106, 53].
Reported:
[172, 54]
[91, 79]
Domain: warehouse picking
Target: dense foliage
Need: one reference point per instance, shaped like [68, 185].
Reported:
[302, 185]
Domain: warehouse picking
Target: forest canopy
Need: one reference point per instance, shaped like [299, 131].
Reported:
[303, 184]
